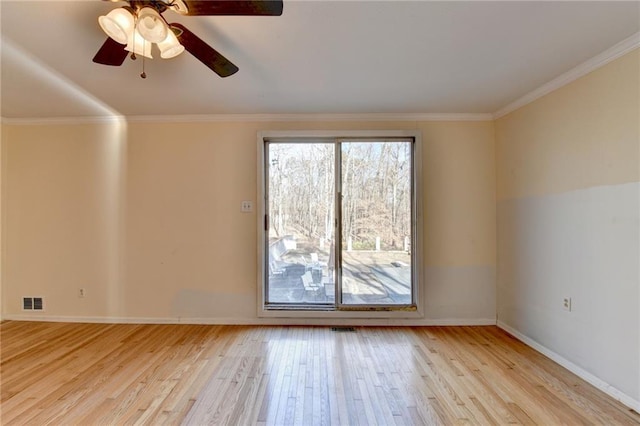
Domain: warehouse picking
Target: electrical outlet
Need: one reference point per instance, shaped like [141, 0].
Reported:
[81, 292]
[566, 304]
[246, 206]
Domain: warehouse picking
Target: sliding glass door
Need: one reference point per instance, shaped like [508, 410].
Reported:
[301, 223]
[339, 224]
[376, 223]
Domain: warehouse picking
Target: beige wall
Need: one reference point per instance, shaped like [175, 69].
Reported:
[146, 217]
[581, 135]
[2, 132]
[60, 217]
[568, 210]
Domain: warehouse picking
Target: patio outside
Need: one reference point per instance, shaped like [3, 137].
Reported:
[304, 274]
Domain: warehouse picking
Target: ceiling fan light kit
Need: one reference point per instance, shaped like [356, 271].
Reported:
[138, 30]
[137, 27]
[151, 26]
[170, 47]
[118, 24]
[138, 45]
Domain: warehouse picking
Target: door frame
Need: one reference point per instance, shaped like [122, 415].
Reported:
[357, 311]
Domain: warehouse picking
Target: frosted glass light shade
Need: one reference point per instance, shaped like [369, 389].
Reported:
[117, 24]
[170, 47]
[138, 45]
[151, 25]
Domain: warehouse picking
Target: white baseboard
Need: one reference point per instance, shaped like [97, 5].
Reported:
[578, 371]
[97, 320]
[458, 322]
[258, 321]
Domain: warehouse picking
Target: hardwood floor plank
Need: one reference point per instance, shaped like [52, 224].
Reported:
[491, 389]
[102, 374]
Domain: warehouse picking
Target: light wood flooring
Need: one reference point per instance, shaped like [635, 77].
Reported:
[96, 374]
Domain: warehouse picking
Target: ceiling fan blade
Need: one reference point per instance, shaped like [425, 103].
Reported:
[111, 53]
[205, 53]
[234, 7]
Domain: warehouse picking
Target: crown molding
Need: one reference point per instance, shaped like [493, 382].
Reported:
[611, 54]
[204, 118]
[62, 120]
[312, 117]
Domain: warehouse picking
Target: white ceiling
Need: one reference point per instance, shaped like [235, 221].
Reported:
[319, 57]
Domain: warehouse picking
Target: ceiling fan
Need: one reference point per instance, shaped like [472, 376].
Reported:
[136, 27]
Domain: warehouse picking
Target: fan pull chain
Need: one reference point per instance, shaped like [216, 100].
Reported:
[133, 42]
[144, 74]
[133, 54]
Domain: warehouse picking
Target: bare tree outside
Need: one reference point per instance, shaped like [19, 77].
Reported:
[375, 223]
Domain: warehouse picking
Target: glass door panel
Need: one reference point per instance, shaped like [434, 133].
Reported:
[376, 223]
[300, 223]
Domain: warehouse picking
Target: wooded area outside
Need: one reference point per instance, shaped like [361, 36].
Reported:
[376, 216]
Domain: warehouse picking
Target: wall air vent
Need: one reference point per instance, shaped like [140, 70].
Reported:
[32, 304]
